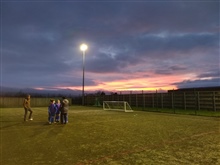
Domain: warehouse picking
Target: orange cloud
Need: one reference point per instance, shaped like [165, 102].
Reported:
[136, 82]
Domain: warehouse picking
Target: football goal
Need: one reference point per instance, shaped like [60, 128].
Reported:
[117, 105]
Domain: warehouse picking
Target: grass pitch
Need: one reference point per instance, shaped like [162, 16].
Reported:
[96, 137]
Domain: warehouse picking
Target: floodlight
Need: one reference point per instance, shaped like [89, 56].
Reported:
[83, 47]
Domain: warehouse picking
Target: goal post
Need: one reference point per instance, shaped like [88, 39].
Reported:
[117, 105]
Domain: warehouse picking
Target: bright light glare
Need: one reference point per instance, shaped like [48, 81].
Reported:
[83, 47]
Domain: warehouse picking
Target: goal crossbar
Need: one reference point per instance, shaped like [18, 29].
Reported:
[117, 105]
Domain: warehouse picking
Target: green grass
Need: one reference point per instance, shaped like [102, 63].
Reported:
[96, 137]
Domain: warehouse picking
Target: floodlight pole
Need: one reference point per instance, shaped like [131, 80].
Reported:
[83, 94]
[83, 48]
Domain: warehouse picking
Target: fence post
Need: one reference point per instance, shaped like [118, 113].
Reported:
[214, 106]
[161, 100]
[184, 100]
[195, 102]
[153, 100]
[172, 101]
[136, 101]
[198, 100]
[85, 99]
[157, 99]
[143, 96]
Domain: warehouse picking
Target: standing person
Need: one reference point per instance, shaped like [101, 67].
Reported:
[52, 109]
[58, 106]
[27, 107]
[64, 110]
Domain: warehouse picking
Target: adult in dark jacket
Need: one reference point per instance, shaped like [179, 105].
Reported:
[64, 110]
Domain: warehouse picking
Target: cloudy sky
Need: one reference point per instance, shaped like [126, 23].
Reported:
[132, 45]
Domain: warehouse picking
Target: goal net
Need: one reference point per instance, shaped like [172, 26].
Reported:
[117, 105]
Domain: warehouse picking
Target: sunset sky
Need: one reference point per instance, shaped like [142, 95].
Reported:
[132, 45]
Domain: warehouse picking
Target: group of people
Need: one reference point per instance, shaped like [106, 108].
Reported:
[57, 111]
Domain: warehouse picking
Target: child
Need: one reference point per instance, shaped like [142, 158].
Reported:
[52, 111]
[57, 118]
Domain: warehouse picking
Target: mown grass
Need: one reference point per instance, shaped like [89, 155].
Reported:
[96, 137]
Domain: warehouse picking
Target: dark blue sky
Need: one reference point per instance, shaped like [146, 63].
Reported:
[132, 45]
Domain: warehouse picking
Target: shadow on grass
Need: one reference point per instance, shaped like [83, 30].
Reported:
[8, 124]
[40, 123]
